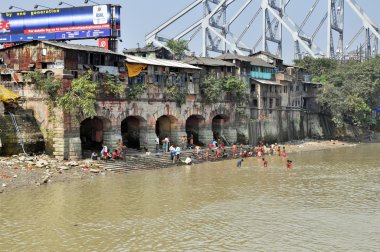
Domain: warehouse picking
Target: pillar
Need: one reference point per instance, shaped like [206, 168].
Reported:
[177, 133]
[148, 139]
[205, 133]
[110, 138]
[230, 134]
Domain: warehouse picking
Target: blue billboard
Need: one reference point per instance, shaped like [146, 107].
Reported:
[60, 24]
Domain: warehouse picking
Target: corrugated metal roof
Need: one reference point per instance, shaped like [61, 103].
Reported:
[143, 49]
[81, 47]
[67, 46]
[254, 61]
[207, 61]
[159, 62]
[268, 82]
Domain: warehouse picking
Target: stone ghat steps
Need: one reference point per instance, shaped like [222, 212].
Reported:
[134, 163]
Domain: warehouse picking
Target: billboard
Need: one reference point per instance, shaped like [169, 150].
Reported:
[60, 24]
[103, 43]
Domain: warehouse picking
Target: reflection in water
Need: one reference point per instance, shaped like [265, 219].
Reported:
[328, 202]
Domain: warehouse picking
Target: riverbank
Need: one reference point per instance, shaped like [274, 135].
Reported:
[23, 171]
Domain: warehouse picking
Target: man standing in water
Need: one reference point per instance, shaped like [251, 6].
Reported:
[265, 163]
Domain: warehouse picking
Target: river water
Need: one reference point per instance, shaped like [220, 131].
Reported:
[330, 201]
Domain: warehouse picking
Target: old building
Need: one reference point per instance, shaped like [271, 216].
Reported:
[162, 98]
[268, 88]
[64, 62]
[60, 59]
[304, 91]
[211, 66]
[149, 51]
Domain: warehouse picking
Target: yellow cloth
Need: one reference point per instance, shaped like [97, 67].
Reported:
[135, 69]
[8, 96]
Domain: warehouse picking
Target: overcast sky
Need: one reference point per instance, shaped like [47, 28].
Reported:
[139, 17]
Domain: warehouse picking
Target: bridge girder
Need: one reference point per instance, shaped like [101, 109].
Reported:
[218, 35]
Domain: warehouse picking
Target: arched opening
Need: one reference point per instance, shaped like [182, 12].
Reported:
[218, 124]
[91, 134]
[165, 126]
[193, 129]
[131, 131]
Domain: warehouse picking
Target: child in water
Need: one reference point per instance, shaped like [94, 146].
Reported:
[283, 153]
[265, 162]
[289, 164]
[238, 164]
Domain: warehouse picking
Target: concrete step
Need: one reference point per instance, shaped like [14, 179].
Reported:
[139, 162]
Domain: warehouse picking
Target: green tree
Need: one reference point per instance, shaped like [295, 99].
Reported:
[319, 68]
[81, 98]
[351, 92]
[235, 86]
[48, 85]
[173, 91]
[112, 85]
[178, 47]
[213, 90]
[136, 91]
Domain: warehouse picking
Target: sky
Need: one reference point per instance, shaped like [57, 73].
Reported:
[139, 17]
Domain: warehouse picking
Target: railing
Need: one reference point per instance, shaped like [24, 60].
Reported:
[18, 132]
[261, 75]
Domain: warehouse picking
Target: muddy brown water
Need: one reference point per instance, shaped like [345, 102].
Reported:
[330, 201]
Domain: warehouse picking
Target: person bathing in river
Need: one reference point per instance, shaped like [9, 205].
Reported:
[207, 155]
[283, 153]
[265, 163]
[234, 150]
[289, 164]
[238, 164]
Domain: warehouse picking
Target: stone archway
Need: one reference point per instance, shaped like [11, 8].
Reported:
[219, 124]
[193, 127]
[133, 131]
[166, 125]
[92, 134]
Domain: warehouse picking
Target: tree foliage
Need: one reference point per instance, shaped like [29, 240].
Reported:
[174, 91]
[48, 85]
[136, 91]
[112, 85]
[213, 90]
[318, 68]
[178, 47]
[81, 98]
[351, 90]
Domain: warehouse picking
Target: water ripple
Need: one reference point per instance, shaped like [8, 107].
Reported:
[328, 202]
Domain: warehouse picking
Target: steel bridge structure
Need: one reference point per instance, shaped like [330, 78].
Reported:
[215, 29]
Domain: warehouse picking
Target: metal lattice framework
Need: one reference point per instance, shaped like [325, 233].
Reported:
[218, 32]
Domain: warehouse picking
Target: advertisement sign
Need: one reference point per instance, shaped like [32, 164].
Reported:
[103, 43]
[60, 24]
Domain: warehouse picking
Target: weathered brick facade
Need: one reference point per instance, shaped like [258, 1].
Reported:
[138, 121]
